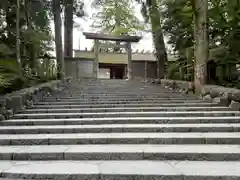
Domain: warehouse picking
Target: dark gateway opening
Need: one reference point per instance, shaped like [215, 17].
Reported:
[117, 71]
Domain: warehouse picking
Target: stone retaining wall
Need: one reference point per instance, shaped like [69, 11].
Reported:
[218, 94]
[224, 96]
[16, 101]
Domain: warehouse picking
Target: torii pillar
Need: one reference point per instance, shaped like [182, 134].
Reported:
[129, 65]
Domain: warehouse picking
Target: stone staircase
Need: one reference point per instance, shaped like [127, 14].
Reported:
[121, 130]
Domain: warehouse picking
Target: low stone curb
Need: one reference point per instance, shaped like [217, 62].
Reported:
[229, 97]
[16, 101]
[173, 85]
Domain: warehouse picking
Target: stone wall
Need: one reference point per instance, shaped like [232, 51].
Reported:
[224, 96]
[16, 101]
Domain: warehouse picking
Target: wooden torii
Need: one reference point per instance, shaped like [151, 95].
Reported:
[106, 37]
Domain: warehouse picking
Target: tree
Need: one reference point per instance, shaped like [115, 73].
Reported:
[71, 8]
[150, 10]
[68, 28]
[116, 17]
[18, 34]
[200, 9]
[58, 37]
[223, 36]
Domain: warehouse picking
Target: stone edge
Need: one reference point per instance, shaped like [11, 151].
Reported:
[25, 98]
[229, 97]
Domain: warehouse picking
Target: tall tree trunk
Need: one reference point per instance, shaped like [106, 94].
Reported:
[158, 39]
[117, 24]
[58, 38]
[30, 48]
[201, 50]
[18, 55]
[68, 28]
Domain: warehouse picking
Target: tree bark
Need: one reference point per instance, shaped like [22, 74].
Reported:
[68, 28]
[158, 39]
[18, 55]
[58, 38]
[117, 24]
[201, 49]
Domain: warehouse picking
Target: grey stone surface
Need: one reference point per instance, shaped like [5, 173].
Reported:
[122, 138]
[118, 102]
[235, 105]
[121, 169]
[207, 97]
[105, 128]
[121, 130]
[128, 114]
[122, 152]
[2, 118]
[63, 106]
[119, 109]
[17, 101]
[222, 101]
[122, 120]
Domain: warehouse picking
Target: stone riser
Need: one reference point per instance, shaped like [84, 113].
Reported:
[115, 94]
[112, 95]
[118, 99]
[127, 109]
[129, 114]
[140, 120]
[118, 102]
[123, 138]
[58, 106]
[120, 156]
[121, 128]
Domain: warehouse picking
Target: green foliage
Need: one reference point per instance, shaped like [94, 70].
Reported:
[224, 34]
[116, 17]
[10, 76]
[35, 40]
[5, 50]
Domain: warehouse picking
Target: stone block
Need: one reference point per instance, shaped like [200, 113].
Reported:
[222, 101]
[16, 103]
[207, 97]
[8, 101]
[2, 118]
[235, 105]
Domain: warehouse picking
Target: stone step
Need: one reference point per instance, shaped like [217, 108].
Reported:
[81, 102]
[125, 109]
[121, 120]
[59, 106]
[121, 138]
[117, 94]
[122, 152]
[113, 94]
[119, 99]
[201, 104]
[111, 128]
[121, 170]
[127, 114]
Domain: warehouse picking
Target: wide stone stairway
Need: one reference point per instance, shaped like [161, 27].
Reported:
[121, 130]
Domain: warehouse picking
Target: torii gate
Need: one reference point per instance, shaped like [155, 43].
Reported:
[123, 38]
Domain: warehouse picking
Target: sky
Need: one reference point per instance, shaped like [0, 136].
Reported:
[85, 23]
